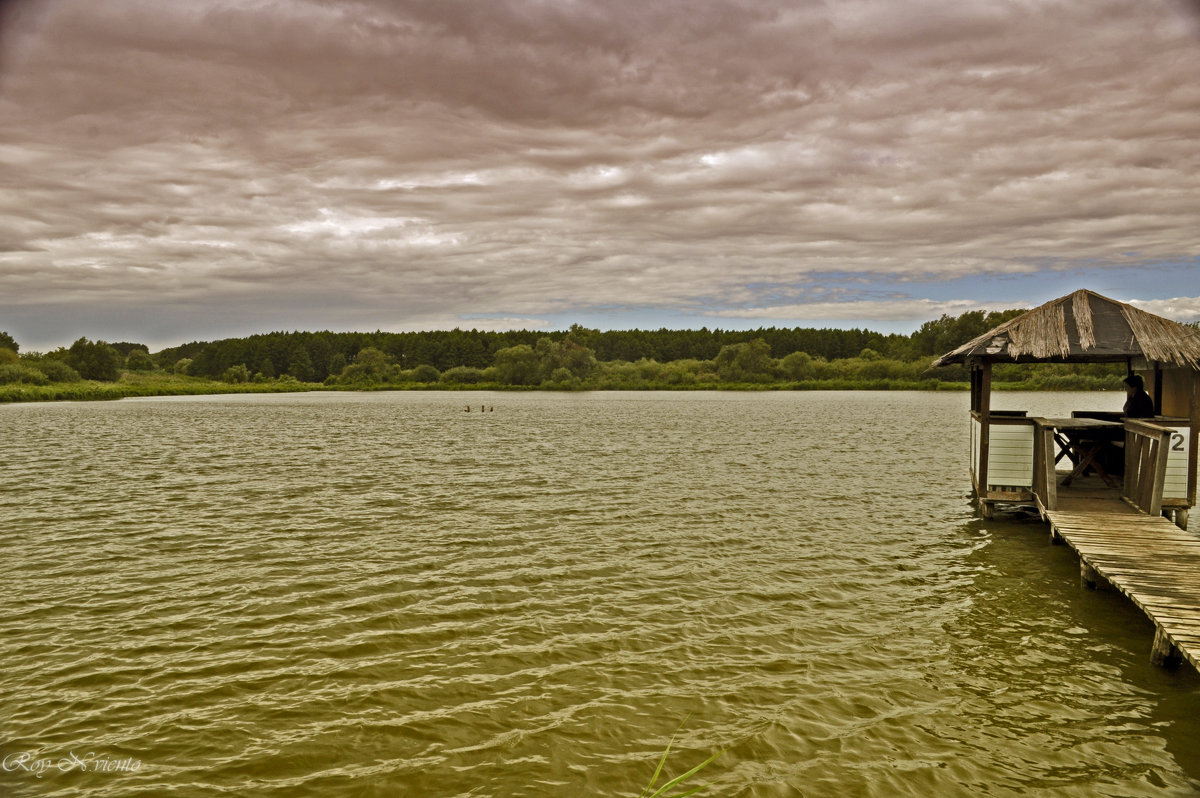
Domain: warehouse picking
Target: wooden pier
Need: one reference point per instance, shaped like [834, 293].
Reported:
[1146, 557]
[1118, 528]
[1119, 531]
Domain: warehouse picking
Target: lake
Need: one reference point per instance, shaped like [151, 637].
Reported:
[361, 594]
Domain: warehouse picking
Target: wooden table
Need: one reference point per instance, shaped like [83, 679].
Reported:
[1082, 440]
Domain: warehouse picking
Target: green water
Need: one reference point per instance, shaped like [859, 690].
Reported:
[382, 594]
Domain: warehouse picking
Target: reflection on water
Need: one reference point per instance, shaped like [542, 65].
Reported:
[379, 594]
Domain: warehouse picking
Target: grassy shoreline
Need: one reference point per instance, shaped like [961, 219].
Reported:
[132, 384]
[93, 390]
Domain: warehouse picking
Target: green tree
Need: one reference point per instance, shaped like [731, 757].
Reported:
[94, 361]
[124, 348]
[15, 372]
[371, 358]
[518, 365]
[797, 365]
[577, 359]
[181, 365]
[685, 371]
[950, 332]
[300, 364]
[318, 348]
[583, 336]
[235, 374]
[8, 342]
[462, 375]
[745, 362]
[425, 373]
[139, 360]
[562, 376]
[370, 366]
[56, 370]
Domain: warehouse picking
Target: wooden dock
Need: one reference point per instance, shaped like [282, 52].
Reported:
[1146, 557]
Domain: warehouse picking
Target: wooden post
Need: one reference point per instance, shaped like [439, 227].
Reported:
[1091, 578]
[1194, 438]
[1158, 377]
[1159, 473]
[1130, 461]
[1164, 652]
[985, 424]
[976, 384]
[1051, 479]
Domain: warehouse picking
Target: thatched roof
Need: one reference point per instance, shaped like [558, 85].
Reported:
[1083, 327]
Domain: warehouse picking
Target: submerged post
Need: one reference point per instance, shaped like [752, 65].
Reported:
[1091, 578]
[1164, 653]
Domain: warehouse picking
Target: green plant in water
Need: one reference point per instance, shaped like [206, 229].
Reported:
[661, 792]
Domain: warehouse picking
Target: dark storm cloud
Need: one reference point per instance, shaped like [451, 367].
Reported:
[412, 164]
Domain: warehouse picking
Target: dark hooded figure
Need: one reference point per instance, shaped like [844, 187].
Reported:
[1138, 403]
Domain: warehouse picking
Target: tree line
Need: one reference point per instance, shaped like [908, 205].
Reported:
[315, 356]
[574, 358]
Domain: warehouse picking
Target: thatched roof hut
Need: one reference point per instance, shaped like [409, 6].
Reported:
[1013, 455]
[1084, 327]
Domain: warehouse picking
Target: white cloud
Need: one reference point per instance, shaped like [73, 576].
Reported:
[1180, 308]
[876, 310]
[344, 224]
[496, 324]
[434, 181]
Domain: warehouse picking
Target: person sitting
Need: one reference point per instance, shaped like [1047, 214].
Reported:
[1138, 403]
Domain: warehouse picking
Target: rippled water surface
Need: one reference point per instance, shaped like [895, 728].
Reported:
[382, 594]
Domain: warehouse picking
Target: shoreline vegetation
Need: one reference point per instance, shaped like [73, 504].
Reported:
[579, 359]
[131, 386]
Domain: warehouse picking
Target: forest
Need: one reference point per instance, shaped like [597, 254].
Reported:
[575, 359]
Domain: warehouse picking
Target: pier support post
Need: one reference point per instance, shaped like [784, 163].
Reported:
[1089, 577]
[1181, 518]
[1055, 538]
[1164, 652]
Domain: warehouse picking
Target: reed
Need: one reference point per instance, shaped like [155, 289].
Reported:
[662, 791]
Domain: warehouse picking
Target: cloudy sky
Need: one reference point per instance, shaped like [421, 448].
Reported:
[176, 170]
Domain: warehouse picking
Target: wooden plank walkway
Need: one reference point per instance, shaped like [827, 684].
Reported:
[1149, 559]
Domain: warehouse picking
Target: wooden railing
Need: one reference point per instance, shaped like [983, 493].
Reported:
[1145, 464]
